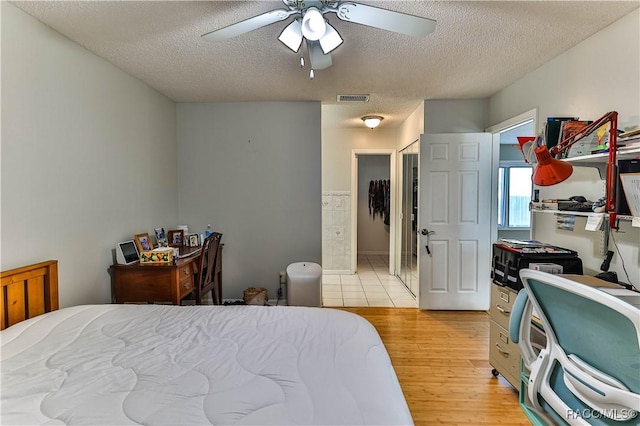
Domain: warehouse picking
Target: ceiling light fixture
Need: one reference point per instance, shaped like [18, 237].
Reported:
[330, 40]
[291, 36]
[309, 25]
[372, 121]
[313, 24]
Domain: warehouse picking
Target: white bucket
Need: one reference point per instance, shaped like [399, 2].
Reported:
[304, 284]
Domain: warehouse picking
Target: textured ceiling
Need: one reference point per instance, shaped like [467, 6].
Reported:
[478, 48]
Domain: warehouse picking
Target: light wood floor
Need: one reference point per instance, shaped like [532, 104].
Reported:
[442, 362]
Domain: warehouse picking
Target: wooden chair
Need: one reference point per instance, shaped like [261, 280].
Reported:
[208, 278]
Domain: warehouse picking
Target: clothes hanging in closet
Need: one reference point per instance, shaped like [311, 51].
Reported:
[379, 199]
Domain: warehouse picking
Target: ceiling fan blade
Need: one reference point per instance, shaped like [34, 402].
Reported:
[247, 25]
[317, 58]
[389, 20]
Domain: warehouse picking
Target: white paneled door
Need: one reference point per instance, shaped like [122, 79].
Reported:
[455, 209]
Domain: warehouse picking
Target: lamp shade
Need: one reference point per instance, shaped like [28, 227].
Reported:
[372, 121]
[313, 24]
[330, 40]
[549, 171]
[291, 36]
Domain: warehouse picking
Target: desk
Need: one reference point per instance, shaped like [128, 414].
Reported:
[147, 283]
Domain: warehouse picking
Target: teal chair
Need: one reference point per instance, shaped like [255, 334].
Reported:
[589, 371]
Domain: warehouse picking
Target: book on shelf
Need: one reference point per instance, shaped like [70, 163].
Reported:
[569, 129]
[632, 141]
[552, 130]
[629, 133]
[631, 187]
[628, 140]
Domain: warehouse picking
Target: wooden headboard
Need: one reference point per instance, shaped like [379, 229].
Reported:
[28, 291]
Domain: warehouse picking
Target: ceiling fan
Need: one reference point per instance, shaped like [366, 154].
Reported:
[320, 37]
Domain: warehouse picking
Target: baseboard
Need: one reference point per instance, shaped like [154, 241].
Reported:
[337, 272]
[373, 253]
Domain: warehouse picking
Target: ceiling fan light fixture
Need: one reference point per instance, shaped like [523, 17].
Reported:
[313, 24]
[291, 36]
[372, 121]
[330, 40]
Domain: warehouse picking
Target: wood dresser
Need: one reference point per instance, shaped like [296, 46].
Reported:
[147, 283]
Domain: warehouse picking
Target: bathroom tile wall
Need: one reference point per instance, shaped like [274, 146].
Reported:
[336, 231]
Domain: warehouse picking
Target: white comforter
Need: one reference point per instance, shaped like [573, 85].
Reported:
[153, 364]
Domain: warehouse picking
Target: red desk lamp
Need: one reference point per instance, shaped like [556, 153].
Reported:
[549, 171]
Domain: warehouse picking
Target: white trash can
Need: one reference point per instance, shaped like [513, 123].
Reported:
[304, 284]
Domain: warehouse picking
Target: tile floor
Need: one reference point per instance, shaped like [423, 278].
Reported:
[370, 286]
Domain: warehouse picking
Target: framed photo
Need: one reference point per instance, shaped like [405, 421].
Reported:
[194, 240]
[161, 237]
[176, 237]
[143, 242]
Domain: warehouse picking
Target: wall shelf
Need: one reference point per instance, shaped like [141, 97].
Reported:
[567, 212]
[601, 160]
[603, 157]
[586, 214]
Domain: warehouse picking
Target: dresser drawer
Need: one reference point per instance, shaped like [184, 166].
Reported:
[186, 272]
[504, 355]
[186, 279]
[502, 299]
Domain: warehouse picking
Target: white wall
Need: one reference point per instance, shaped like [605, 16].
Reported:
[88, 157]
[586, 81]
[411, 128]
[252, 171]
[337, 146]
[373, 234]
[455, 115]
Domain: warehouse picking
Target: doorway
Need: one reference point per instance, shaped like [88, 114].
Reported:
[512, 178]
[360, 201]
[374, 208]
[407, 269]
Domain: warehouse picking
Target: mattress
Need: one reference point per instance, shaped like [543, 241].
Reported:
[195, 365]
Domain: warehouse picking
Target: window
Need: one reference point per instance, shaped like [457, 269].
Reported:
[514, 195]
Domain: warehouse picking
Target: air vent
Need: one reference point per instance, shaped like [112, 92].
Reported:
[353, 98]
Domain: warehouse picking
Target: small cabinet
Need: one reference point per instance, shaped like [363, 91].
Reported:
[504, 355]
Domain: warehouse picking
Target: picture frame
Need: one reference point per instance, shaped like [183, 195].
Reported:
[143, 242]
[194, 240]
[176, 237]
[161, 237]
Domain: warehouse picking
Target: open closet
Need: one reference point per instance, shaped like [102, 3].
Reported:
[407, 269]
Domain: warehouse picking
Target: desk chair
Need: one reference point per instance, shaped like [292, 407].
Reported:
[208, 277]
[589, 371]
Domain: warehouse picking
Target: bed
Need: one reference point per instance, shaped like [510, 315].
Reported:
[187, 365]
